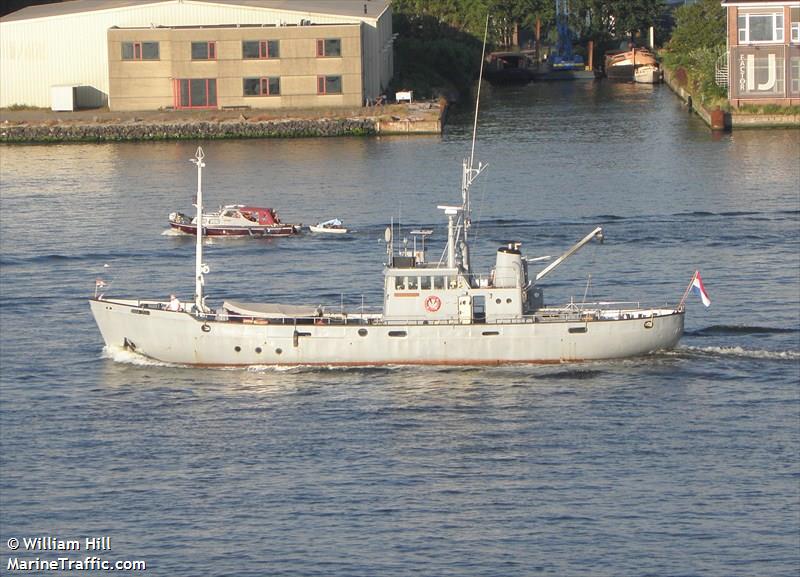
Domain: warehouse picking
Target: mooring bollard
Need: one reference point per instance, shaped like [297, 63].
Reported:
[717, 119]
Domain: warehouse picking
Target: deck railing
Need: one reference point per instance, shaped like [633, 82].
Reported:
[571, 312]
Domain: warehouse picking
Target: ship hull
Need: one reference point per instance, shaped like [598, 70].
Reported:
[181, 338]
[271, 230]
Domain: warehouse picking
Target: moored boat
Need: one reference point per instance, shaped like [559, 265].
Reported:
[621, 64]
[332, 226]
[647, 74]
[508, 68]
[235, 220]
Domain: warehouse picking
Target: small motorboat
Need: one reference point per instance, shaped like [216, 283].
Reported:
[333, 226]
[236, 220]
[647, 74]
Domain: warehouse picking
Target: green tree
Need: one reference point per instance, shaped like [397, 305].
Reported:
[698, 25]
[461, 15]
[603, 21]
[509, 15]
[698, 44]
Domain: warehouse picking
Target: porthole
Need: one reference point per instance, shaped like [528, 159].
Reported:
[258, 350]
[237, 348]
[397, 333]
[362, 332]
[278, 351]
[498, 301]
[508, 301]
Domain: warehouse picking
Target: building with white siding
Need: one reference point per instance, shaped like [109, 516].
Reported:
[97, 46]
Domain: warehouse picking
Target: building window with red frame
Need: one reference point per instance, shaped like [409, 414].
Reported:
[204, 50]
[195, 93]
[329, 84]
[266, 86]
[260, 49]
[329, 48]
[140, 51]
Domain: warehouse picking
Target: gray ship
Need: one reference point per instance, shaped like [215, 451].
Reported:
[438, 313]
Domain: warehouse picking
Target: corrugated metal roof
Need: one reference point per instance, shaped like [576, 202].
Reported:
[350, 8]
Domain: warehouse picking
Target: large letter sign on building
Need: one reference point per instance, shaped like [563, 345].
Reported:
[761, 73]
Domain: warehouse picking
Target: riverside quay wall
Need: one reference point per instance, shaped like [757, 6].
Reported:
[45, 126]
[721, 120]
[183, 130]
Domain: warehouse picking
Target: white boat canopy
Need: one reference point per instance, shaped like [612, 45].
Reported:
[270, 310]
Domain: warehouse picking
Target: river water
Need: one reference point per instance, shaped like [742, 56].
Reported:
[684, 462]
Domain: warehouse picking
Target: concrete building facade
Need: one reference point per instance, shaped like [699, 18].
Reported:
[763, 52]
[81, 43]
[246, 66]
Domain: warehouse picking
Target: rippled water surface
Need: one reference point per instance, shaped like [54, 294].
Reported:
[684, 462]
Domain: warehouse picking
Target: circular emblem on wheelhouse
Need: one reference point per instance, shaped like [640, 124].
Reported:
[433, 303]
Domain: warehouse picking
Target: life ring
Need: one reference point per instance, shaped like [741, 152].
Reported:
[433, 303]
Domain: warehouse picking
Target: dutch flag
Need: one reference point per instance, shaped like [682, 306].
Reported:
[699, 289]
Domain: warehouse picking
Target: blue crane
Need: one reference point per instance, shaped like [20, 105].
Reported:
[564, 59]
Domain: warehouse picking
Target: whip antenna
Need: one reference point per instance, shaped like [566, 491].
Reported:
[480, 79]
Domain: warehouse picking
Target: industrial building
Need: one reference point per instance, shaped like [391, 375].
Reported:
[174, 54]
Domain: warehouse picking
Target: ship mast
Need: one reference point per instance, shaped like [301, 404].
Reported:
[469, 172]
[199, 268]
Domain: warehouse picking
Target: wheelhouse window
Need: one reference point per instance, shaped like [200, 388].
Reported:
[204, 50]
[329, 47]
[260, 49]
[140, 51]
[760, 26]
[196, 93]
[329, 84]
[267, 86]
